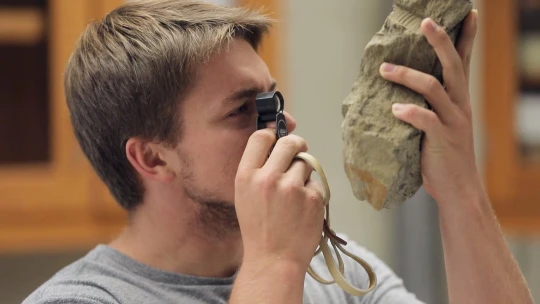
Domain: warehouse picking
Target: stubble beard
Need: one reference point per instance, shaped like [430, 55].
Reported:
[216, 217]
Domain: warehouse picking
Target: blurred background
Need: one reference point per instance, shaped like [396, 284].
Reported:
[53, 209]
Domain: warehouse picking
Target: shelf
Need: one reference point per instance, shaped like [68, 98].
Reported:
[57, 237]
[531, 153]
[21, 26]
[529, 20]
[530, 85]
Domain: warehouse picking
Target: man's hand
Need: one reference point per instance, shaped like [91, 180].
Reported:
[479, 266]
[448, 160]
[280, 211]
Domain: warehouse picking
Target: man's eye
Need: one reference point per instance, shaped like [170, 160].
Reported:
[241, 110]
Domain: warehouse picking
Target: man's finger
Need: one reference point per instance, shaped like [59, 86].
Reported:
[300, 171]
[466, 42]
[420, 118]
[424, 84]
[291, 122]
[257, 149]
[315, 192]
[284, 151]
[453, 74]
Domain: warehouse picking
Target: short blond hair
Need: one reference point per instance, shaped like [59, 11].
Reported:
[129, 72]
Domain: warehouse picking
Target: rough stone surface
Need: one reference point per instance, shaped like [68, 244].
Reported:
[381, 153]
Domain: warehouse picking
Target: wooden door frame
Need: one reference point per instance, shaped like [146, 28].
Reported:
[274, 44]
[512, 182]
[45, 206]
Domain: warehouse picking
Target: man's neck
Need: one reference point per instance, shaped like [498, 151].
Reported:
[171, 240]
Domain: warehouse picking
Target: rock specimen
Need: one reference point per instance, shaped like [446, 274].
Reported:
[382, 153]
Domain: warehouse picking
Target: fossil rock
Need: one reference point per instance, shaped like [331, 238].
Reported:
[382, 153]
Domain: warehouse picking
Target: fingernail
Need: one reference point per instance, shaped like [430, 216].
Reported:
[271, 124]
[388, 67]
[397, 108]
[432, 25]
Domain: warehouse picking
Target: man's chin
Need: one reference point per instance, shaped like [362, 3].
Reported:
[216, 216]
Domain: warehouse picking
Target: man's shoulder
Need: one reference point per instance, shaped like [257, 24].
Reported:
[84, 281]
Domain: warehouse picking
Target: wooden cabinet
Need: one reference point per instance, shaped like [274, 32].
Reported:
[511, 111]
[50, 199]
[273, 46]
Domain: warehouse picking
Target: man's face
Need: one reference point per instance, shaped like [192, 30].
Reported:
[218, 117]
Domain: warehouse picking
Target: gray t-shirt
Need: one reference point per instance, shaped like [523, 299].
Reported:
[106, 276]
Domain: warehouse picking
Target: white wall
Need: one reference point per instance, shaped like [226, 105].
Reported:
[326, 40]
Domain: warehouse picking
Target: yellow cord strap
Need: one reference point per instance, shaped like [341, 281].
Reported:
[337, 271]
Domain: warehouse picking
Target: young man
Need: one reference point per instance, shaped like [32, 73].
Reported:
[161, 95]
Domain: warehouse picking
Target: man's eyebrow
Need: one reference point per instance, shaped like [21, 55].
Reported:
[273, 86]
[247, 93]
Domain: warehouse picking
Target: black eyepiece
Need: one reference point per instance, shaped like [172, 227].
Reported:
[270, 107]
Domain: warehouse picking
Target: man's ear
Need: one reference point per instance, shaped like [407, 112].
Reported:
[148, 159]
